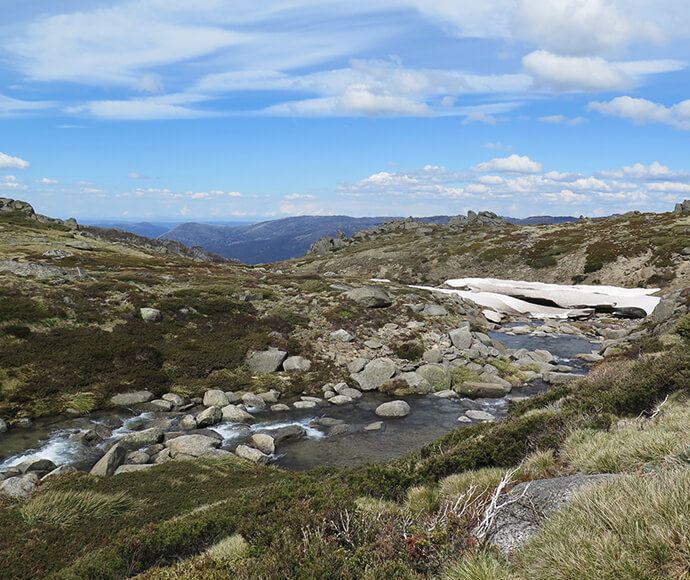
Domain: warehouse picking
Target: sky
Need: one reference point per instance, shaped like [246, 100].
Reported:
[221, 110]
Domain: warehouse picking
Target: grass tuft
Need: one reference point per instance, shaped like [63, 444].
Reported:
[64, 508]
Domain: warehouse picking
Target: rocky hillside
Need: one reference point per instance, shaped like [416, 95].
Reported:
[631, 250]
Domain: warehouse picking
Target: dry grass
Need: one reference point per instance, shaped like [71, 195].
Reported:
[479, 566]
[634, 445]
[63, 508]
[634, 527]
[538, 465]
[481, 481]
[231, 548]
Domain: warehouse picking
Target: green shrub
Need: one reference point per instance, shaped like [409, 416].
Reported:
[682, 329]
[17, 331]
[410, 350]
[479, 566]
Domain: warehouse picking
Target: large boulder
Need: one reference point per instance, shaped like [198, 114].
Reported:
[209, 417]
[297, 363]
[151, 314]
[140, 439]
[19, 487]
[375, 374]
[266, 361]
[107, 464]
[252, 454]
[45, 465]
[236, 414]
[369, 297]
[263, 442]
[193, 445]
[489, 390]
[524, 508]
[393, 409]
[436, 375]
[252, 400]
[133, 398]
[214, 397]
[461, 337]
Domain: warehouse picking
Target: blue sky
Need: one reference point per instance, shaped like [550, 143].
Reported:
[212, 110]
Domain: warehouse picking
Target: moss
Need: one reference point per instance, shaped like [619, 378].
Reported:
[411, 350]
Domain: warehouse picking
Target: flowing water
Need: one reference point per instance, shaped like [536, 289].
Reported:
[430, 418]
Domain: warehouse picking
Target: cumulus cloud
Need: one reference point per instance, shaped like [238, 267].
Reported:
[582, 27]
[9, 162]
[47, 181]
[512, 164]
[643, 111]
[639, 172]
[571, 73]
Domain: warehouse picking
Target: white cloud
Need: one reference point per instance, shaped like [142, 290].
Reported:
[137, 175]
[299, 196]
[643, 111]
[562, 119]
[497, 145]
[639, 172]
[136, 110]
[570, 73]
[91, 190]
[47, 181]
[582, 27]
[10, 107]
[512, 164]
[200, 195]
[234, 194]
[8, 162]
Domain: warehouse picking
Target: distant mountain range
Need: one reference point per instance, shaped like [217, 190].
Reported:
[276, 240]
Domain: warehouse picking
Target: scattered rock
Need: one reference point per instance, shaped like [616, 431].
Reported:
[393, 409]
[375, 374]
[433, 356]
[79, 245]
[304, 404]
[263, 442]
[173, 398]
[479, 415]
[461, 338]
[356, 365]
[340, 400]
[434, 310]
[60, 471]
[279, 408]
[214, 397]
[3, 426]
[140, 439]
[254, 455]
[162, 405]
[252, 400]
[447, 394]
[270, 396]
[130, 468]
[43, 271]
[45, 465]
[349, 392]
[288, 432]
[369, 297]
[107, 464]
[236, 414]
[436, 375]
[19, 487]
[342, 335]
[133, 398]
[266, 361]
[375, 426]
[554, 378]
[151, 314]
[137, 458]
[492, 390]
[297, 363]
[209, 417]
[193, 445]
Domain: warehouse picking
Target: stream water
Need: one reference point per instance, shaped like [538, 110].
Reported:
[430, 417]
